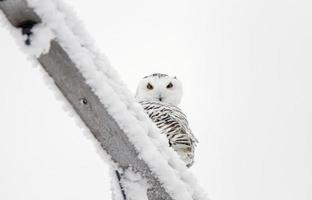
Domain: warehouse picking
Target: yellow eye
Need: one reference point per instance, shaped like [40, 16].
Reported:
[149, 86]
[170, 85]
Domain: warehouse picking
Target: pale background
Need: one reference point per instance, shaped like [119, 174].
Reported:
[246, 68]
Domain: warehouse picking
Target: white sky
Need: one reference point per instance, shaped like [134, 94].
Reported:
[246, 68]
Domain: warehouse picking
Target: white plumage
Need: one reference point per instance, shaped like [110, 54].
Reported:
[159, 94]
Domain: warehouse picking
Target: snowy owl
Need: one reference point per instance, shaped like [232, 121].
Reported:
[160, 94]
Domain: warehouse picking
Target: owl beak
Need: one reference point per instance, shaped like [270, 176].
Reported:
[160, 99]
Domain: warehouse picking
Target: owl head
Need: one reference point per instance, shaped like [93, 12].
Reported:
[160, 87]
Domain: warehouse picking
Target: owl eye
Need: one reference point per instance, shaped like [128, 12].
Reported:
[170, 85]
[149, 86]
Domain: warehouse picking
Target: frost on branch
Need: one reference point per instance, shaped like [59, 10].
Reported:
[60, 24]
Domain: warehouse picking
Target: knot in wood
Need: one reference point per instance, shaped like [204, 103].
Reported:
[84, 101]
[26, 27]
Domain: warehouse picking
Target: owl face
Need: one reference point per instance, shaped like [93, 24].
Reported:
[160, 87]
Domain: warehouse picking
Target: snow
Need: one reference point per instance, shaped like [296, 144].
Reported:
[115, 186]
[245, 64]
[135, 186]
[59, 22]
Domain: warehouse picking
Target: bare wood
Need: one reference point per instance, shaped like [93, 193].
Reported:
[18, 12]
[86, 104]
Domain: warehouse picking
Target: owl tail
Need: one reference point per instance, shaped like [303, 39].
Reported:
[187, 157]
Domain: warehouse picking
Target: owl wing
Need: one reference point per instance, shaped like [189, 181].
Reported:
[173, 123]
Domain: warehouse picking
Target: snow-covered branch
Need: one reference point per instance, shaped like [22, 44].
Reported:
[48, 32]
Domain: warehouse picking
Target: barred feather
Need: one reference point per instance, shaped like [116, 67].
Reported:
[173, 123]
